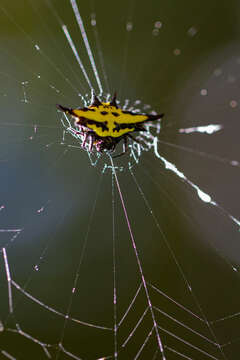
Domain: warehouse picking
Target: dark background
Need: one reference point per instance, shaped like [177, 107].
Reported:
[48, 188]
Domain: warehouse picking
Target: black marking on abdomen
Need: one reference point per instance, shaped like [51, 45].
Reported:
[102, 125]
[119, 127]
[115, 114]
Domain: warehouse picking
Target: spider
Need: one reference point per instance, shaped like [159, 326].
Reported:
[104, 125]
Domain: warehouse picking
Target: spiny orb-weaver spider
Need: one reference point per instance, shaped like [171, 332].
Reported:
[104, 125]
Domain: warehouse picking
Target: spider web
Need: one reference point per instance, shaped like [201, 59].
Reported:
[83, 274]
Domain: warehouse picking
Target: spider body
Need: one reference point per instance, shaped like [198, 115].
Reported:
[104, 125]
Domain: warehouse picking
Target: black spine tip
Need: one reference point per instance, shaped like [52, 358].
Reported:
[96, 101]
[155, 117]
[63, 108]
[113, 101]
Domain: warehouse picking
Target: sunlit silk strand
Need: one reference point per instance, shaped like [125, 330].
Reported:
[9, 280]
[69, 39]
[209, 129]
[201, 194]
[86, 42]
[155, 326]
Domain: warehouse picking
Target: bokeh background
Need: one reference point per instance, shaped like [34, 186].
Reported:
[59, 211]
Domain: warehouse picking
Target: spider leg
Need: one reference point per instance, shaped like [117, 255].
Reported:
[90, 143]
[97, 144]
[78, 126]
[133, 139]
[125, 147]
[84, 140]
